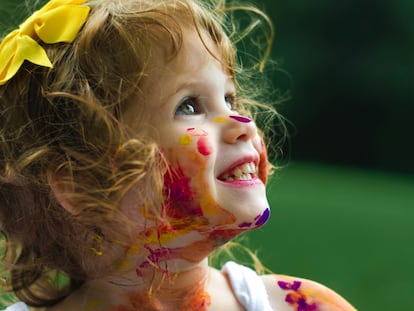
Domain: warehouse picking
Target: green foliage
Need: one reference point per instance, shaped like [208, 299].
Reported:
[349, 66]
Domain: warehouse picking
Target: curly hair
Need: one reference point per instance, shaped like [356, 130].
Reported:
[62, 128]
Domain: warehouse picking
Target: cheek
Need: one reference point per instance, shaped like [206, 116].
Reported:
[263, 164]
[180, 195]
[200, 138]
[204, 147]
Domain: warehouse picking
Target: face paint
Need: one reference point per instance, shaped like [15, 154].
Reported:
[245, 225]
[241, 119]
[261, 219]
[220, 119]
[204, 146]
[185, 140]
[190, 215]
[193, 221]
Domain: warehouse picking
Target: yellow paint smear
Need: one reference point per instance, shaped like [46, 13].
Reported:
[185, 139]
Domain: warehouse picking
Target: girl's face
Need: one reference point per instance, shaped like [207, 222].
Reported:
[215, 184]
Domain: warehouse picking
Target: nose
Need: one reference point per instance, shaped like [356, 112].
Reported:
[237, 128]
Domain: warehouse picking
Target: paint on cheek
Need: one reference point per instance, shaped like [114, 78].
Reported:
[179, 196]
[204, 146]
[185, 140]
[220, 119]
[241, 119]
[261, 219]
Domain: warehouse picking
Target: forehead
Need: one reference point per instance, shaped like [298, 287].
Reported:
[197, 48]
[197, 51]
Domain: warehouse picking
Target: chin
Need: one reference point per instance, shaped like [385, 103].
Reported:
[250, 211]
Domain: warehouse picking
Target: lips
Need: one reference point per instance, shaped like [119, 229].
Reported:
[240, 172]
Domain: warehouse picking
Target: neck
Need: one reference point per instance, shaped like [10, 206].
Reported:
[162, 284]
[166, 268]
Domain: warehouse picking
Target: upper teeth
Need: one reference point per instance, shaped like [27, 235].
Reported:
[243, 172]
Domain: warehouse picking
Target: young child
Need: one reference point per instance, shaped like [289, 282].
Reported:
[128, 156]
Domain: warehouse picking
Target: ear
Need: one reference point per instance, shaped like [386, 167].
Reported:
[61, 191]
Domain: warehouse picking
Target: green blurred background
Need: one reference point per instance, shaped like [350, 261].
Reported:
[343, 205]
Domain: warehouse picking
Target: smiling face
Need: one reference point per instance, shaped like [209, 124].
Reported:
[215, 185]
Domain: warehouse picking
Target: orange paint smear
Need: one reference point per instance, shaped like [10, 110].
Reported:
[189, 300]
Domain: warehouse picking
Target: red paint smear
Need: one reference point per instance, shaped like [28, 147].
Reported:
[179, 198]
[203, 146]
[190, 129]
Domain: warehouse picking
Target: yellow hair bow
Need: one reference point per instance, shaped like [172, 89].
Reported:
[57, 21]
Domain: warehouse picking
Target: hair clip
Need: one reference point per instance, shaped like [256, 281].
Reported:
[57, 21]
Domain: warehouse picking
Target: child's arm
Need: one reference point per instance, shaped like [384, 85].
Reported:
[289, 293]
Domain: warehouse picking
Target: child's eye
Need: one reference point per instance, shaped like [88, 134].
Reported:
[189, 106]
[230, 100]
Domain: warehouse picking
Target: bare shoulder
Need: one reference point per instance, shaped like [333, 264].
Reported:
[291, 293]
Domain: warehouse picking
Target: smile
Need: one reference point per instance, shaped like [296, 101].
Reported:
[246, 171]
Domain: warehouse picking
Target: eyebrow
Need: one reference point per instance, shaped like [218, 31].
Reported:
[229, 81]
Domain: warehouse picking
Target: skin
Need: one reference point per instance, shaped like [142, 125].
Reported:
[202, 138]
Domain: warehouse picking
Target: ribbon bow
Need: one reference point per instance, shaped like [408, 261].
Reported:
[57, 21]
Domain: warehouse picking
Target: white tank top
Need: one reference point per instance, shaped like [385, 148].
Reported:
[248, 287]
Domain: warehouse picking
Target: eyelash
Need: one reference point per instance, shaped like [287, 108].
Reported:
[197, 108]
[193, 102]
[231, 98]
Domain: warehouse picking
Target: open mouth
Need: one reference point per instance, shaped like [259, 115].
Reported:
[246, 171]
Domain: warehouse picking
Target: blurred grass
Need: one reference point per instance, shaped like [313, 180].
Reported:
[349, 229]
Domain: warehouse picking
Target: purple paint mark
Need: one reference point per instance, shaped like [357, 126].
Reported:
[241, 119]
[263, 218]
[286, 285]
[301, 303]
[245, 225]
[296, 298]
